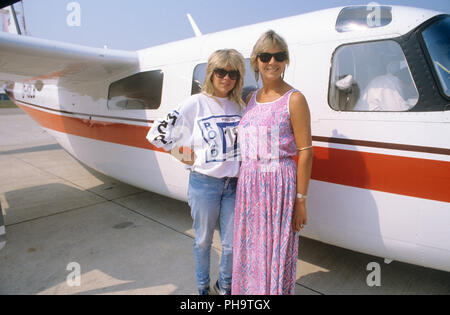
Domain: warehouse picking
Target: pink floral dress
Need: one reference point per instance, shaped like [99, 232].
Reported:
[265, 246]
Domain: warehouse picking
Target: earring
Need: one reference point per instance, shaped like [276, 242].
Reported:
[284, 71]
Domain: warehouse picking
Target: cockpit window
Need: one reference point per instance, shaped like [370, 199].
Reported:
[437, 41]
[140, 91]
[363, 17]
[371, 76]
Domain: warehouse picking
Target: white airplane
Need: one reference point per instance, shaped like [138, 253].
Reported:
[381, 174]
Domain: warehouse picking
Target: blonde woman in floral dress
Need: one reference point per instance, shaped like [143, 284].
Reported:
[272, 188]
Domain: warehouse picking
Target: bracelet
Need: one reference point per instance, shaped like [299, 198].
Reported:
[301, 196]
[305, 148]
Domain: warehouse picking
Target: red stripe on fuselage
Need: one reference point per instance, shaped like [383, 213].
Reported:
[422, 178]
[126, 134]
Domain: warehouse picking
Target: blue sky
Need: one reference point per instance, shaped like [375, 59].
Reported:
[137, 24]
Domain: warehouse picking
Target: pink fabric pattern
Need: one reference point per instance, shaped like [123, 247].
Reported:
[265, 246]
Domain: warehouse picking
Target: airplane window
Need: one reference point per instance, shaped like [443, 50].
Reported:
[363, 17]
[140, 91]
[250, 83]
[371, 76]
[199, 77]
[437, 41]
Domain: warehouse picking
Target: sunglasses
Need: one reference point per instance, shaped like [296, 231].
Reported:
[222, 73]
[279, 56]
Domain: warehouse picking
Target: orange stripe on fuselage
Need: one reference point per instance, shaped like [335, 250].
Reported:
[422, 178]
[126, 134]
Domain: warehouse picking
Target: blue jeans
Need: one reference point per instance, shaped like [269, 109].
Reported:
[212, 199]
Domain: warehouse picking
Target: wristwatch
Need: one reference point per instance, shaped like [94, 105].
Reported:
[301, 196]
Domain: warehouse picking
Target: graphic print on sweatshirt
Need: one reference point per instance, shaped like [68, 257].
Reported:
[220, 137]
[162, 126]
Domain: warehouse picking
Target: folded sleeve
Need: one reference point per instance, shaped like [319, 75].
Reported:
[173, 130]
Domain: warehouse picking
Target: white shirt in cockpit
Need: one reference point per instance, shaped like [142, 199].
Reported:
[384, 93]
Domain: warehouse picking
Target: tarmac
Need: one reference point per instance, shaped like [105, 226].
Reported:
[64, 219]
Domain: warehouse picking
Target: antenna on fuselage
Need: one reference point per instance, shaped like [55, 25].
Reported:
[23, 19]
[194, 26]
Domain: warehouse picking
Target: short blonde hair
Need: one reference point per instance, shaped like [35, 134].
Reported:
[221, 59]
[267, 40]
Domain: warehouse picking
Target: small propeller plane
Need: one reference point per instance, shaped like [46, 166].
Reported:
[377, 81]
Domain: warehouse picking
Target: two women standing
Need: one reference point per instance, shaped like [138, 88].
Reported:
[271, 190]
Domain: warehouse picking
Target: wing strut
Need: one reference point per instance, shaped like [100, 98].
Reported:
[194, 26]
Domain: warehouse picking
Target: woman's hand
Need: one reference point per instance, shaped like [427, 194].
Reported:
[191, 161]
[299, 216]
[188, 152]
[184, 155]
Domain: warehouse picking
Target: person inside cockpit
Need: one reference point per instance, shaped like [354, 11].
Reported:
[386, 92]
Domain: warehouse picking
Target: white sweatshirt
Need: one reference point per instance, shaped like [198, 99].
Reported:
[208, 127]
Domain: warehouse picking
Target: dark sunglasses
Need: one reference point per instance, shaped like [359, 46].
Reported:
[222, 73]
[279, 56]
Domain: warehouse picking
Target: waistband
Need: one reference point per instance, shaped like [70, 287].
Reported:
[212, 177]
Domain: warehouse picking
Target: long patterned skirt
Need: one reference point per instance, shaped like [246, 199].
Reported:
[265, 246]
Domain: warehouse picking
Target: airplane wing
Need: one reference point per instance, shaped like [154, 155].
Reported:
[29, 60]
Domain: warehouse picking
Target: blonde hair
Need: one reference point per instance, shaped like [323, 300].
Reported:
[221, 59]
[267, 40]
